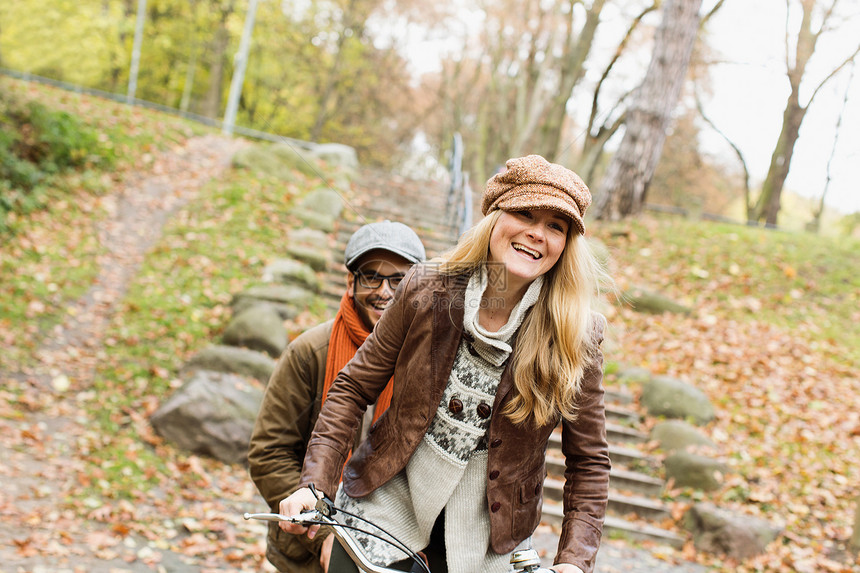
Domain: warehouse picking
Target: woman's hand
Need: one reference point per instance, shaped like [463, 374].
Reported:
[325, 554]
[299, 501]
[566, 568]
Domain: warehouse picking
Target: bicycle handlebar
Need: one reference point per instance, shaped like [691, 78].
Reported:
[526, 561]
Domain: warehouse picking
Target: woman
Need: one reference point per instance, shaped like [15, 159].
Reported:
[489, 348]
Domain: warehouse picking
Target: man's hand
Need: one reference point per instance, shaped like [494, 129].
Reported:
[325, 554]
[300, 500]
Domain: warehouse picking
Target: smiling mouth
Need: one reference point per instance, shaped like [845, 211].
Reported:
[523, 249]
[379, 305]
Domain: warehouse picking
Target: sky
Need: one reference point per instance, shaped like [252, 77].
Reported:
[749, 93]
[749, 96]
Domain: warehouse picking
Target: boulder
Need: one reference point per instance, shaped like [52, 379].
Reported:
[337, 155]
[673, 398]
[720, 532]
[315, 257]
[243, 361]
[289, 271]
[308, 237]
[258, 328]
[314, 220]
[633, 375]
[287, 300]
[694, 471]
[643, 300]
[674, 435]
[211, 414]
[322, 201]
[280, 160]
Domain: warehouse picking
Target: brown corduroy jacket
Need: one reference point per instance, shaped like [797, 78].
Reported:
[416, 340]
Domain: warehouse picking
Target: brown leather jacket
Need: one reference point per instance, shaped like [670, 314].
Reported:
[416, 340]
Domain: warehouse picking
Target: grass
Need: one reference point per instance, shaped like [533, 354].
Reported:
[48, 258]
[802, 282]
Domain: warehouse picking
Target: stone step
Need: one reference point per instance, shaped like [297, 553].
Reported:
[619, 503]
[622, 415]
[619, 455]
[617, 527]
[614, 433]
[619, 478]
[618, 396]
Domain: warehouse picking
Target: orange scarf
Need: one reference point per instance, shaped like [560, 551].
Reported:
[347, 334]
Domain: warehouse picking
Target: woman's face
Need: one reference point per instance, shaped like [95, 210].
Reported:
[528, 243]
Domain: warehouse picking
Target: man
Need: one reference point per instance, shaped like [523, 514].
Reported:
[377, 257]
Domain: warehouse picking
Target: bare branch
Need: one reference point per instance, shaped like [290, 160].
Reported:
[618, 52]
[738, 153]
[712, 11]
[844, 63]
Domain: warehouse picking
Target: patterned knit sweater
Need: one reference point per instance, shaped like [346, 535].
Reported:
[448, 469]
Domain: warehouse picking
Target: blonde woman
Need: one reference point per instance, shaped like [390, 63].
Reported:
[490, 347]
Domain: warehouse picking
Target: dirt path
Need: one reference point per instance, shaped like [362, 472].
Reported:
[38, 448]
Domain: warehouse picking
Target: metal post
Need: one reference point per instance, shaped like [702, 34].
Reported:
[240, 61]
[135, 51]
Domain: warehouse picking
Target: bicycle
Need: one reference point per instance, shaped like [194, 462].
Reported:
[525, 561]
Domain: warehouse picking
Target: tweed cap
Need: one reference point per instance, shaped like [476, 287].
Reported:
[532, 182]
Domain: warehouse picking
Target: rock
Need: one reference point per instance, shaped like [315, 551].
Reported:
[279, 160]
[678, 435]
[643, 300]
[633, 375]
[288, 300]
[258, 328]
[721, 532]
[315, 257]
[314, 220]
[695, 471]
[322, 201]
[672, 398]
[289, 271]
[337, 155]
[212, 414]
[308, 237]
[234, 360]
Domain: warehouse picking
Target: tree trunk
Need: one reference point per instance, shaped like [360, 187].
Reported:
[211, 106]
[626, 182]
[767, 206]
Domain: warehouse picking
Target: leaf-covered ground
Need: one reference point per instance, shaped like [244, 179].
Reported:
[94, 329]
[774, 342]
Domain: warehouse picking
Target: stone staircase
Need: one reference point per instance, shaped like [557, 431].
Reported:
[635, 510]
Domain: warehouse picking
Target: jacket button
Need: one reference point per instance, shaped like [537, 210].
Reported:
[455, 406]
[484, 410]
[494, 474]
[496, 443]
[495, 507]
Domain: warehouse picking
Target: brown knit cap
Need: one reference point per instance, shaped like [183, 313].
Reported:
[532, 182]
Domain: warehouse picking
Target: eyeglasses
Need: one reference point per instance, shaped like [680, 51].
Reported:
[374, 281]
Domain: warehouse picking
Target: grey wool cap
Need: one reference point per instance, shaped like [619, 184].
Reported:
[387, 236]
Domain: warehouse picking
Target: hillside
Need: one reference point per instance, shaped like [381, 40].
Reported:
[773, 341]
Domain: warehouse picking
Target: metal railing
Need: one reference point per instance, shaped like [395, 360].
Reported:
[458, 206]
[122, 98]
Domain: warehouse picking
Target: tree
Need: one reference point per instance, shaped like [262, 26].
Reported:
[766, 208]
[625, 185]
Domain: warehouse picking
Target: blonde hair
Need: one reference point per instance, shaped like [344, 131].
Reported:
[547, 376]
